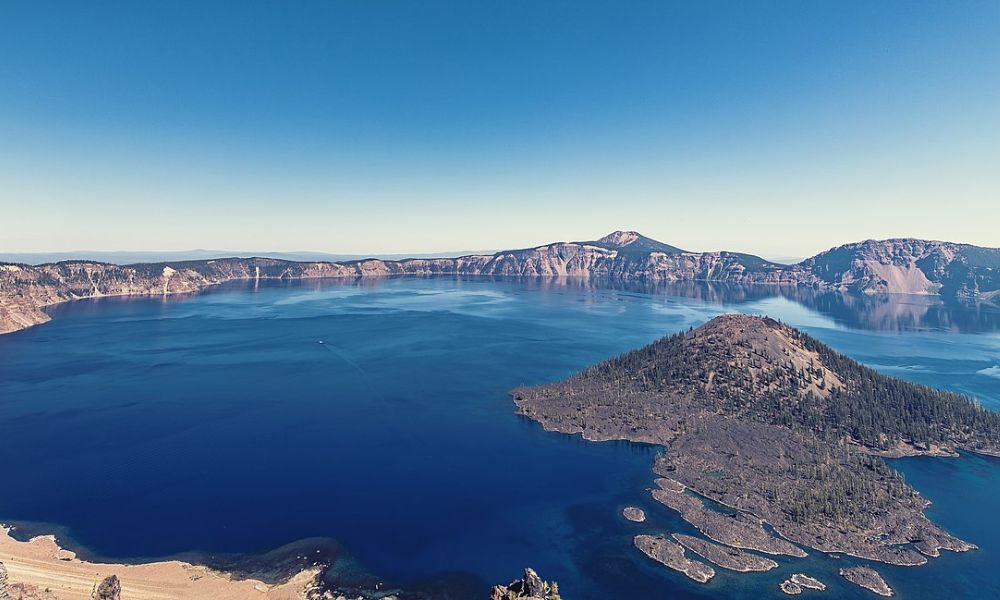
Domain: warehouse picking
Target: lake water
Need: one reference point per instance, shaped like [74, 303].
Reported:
[376, 413]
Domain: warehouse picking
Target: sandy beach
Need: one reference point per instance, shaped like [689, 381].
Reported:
[40, 569]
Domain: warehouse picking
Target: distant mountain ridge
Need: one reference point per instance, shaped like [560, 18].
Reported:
[124, 257]
[903, 266]
[907, 265]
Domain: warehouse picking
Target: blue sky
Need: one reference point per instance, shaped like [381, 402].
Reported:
[780, 128]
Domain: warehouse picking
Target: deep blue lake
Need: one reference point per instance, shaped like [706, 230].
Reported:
[377, 413]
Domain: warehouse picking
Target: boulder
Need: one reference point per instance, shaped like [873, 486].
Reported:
[109, 589]
[4, 595]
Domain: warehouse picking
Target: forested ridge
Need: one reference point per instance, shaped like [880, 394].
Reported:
[768, 371]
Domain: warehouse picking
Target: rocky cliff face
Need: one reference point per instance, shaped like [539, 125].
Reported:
[891, 266]
[528, 587]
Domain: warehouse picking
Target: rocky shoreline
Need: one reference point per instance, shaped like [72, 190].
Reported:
[901, 266]
[726, 557]
[671, 555]
[737, 530]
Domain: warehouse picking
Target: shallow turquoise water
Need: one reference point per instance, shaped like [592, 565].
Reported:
[377, 413]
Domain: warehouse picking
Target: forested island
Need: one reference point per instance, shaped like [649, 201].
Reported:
[783, 431]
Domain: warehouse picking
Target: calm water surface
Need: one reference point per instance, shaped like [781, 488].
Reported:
[376, 413]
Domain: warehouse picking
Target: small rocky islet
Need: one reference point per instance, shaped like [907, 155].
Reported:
[634, 514]
[798, 582]
[868, 578]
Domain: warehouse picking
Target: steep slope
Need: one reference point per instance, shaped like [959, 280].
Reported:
[909, 266]
[765, 419]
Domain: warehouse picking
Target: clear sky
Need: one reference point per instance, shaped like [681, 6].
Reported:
[780, 128]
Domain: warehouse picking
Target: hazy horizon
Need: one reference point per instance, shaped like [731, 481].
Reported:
[778, 128]
[375, 253]
[334, 254]
[124, 256]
